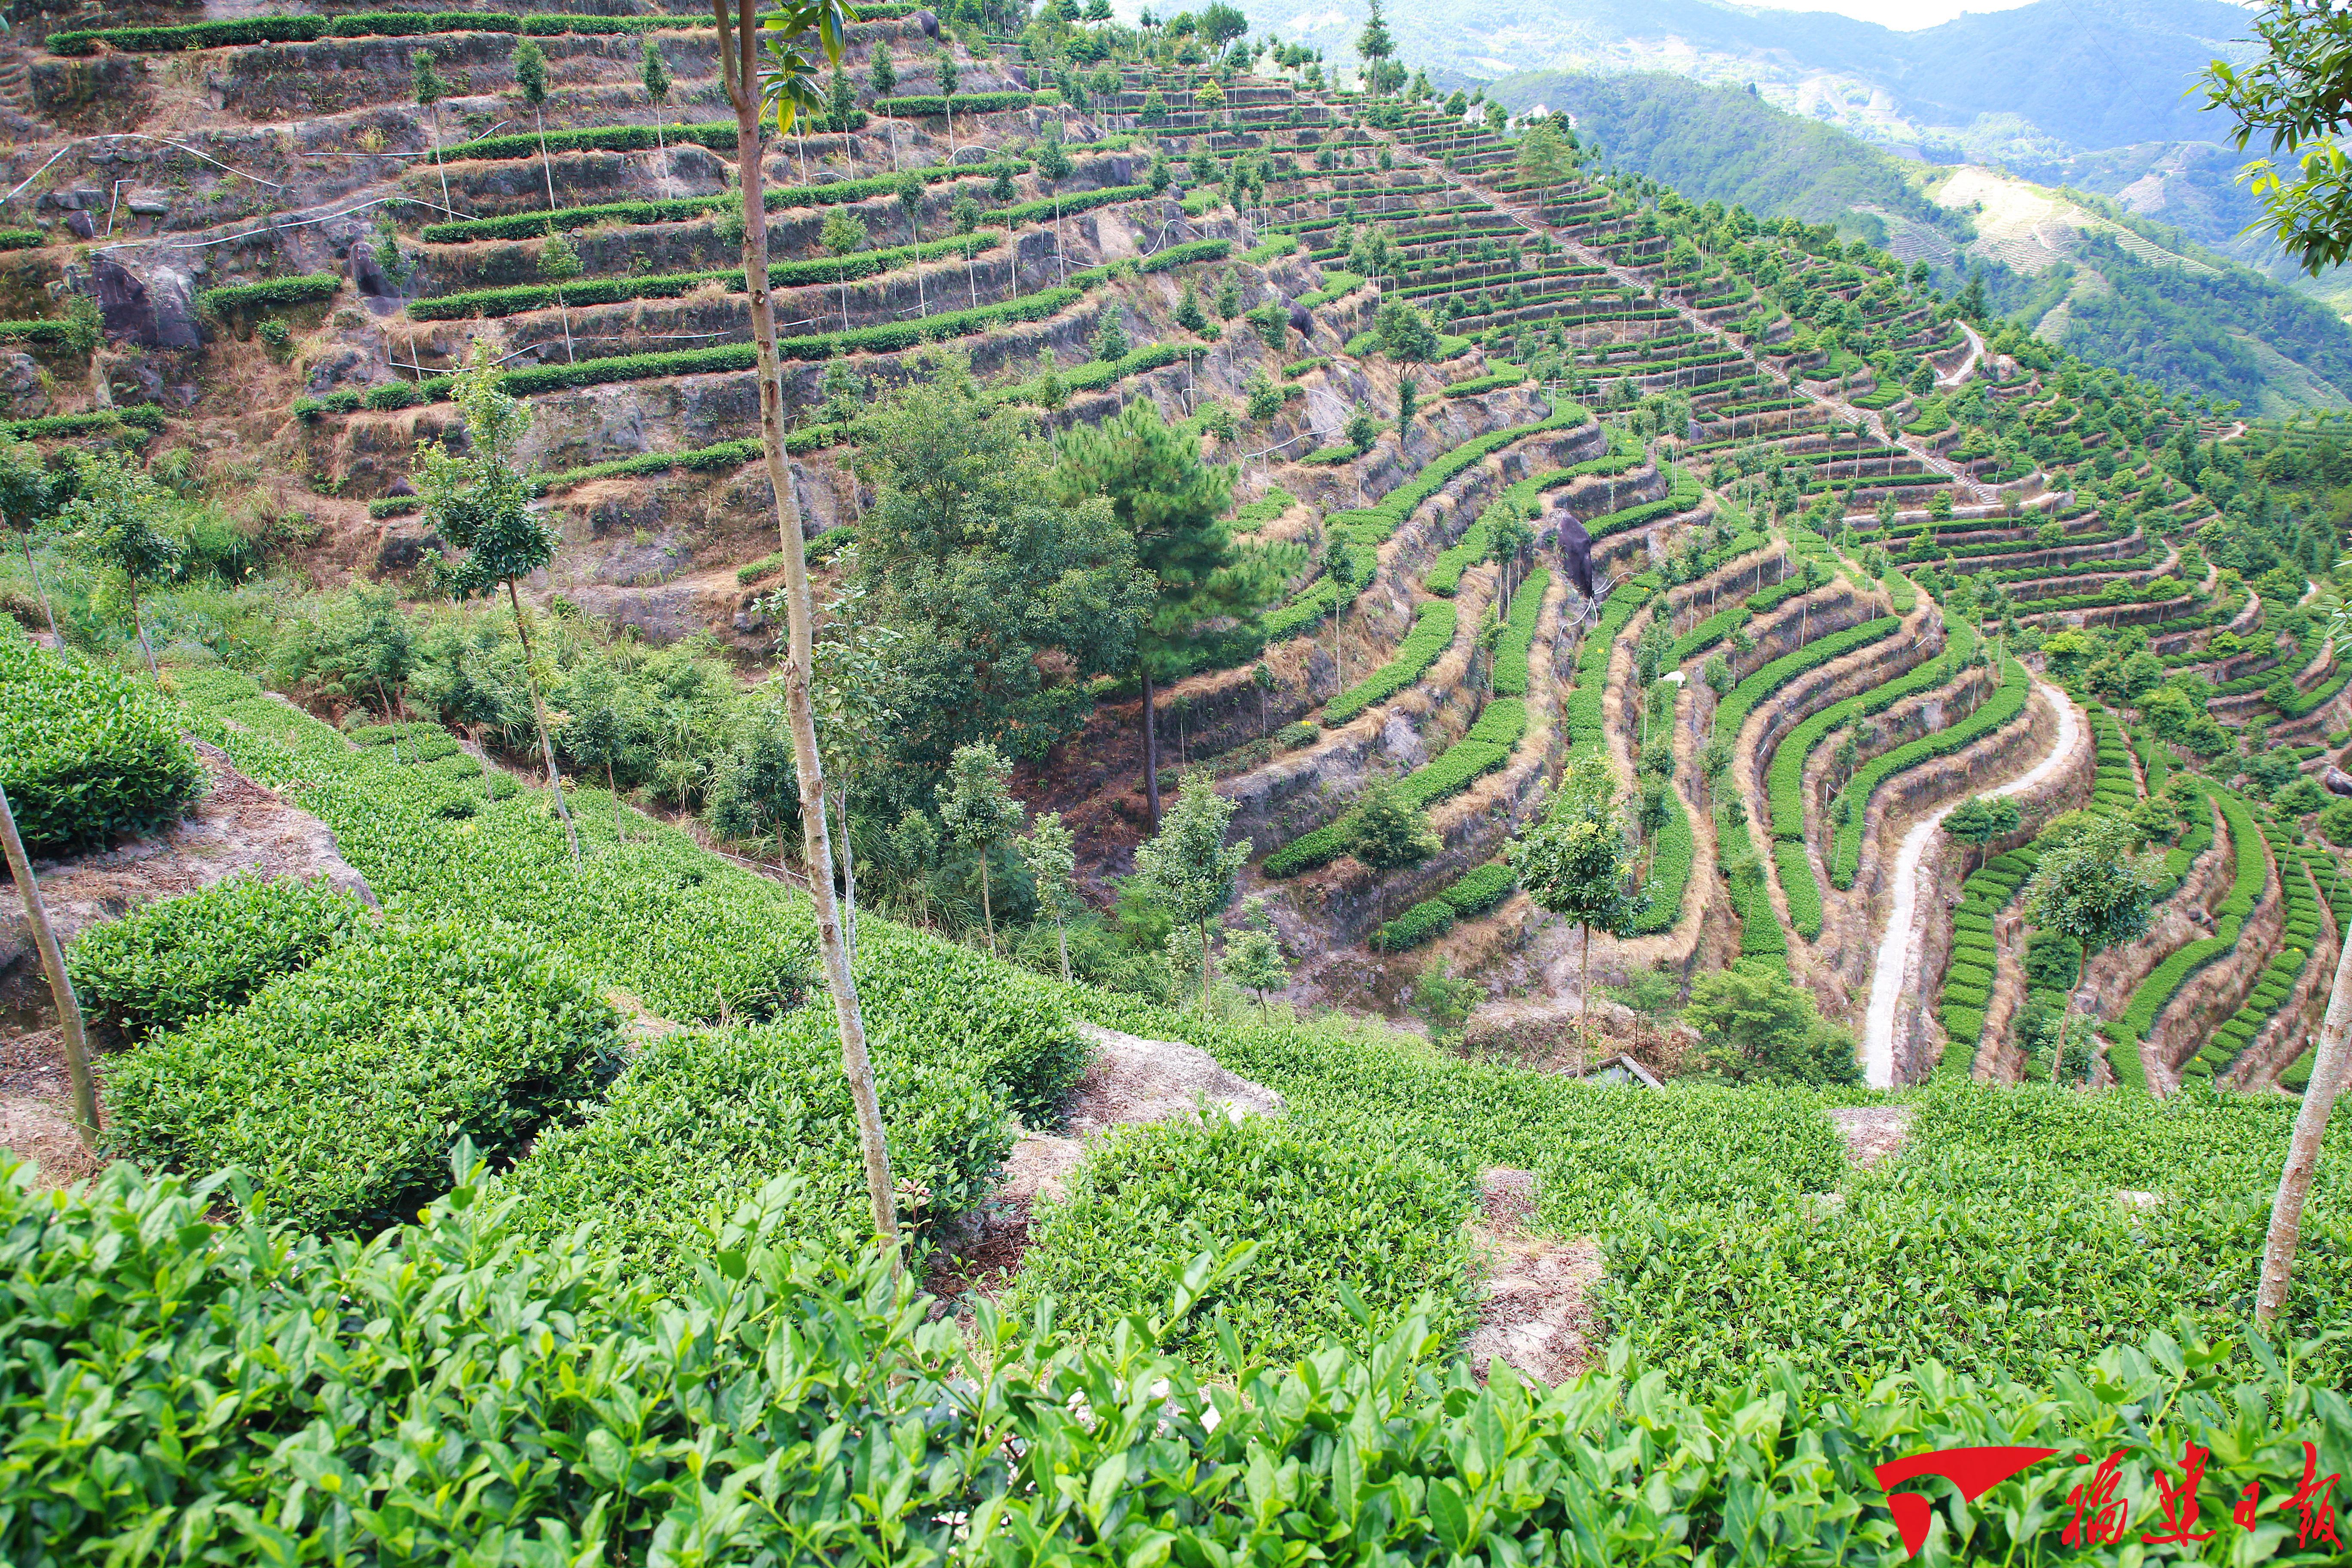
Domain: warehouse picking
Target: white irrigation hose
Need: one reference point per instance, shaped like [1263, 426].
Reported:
[139, 136]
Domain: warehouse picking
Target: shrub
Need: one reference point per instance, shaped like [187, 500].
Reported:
[622, 287]
[883, 338]
[683, 209]
[746, 1383]
[919, 105]
[1425, 922]
[22, 239]
[387, 395]
[340, 1087]
[1384, 1222]
[700, 1121]
[164, 965]
[1432, 634]
[105, 422]
[269, 293]
[1670, 869]
[87, 755]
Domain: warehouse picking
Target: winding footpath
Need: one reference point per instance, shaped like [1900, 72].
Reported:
[1899, 950]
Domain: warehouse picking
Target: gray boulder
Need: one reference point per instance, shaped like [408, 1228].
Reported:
[155, 310]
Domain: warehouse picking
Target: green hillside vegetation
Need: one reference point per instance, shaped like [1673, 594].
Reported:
[836, 846]
[2181, 328]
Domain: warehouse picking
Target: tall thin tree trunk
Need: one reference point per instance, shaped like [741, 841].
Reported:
[1062, 941]
[547, 169]
[2327, 1076]
[26, 539]
[739, 71]
[448, 211]
[614, 789]
[538, 716]
[1150, 749]
[987, 910]
[1204, 966]
[848, 872]
[53, 963]
[139, 623]
[1584, 1004]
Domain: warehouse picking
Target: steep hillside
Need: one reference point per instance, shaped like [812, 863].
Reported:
[1582, 726]
[2008, 85]
[2072, 265]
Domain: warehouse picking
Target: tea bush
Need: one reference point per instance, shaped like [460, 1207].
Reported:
[340, 1087]
[161, 966]
[790, 1408]
[87, 754]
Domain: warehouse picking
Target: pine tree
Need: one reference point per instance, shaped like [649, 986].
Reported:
[1376, 45]
[1171, 504]
[1189, 314]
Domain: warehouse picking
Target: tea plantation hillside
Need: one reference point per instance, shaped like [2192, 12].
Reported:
[1741, 820]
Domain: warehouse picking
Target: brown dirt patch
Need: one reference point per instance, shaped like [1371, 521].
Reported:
[1871, 1132]
[37, 1109]
[238, 829]
[1536, 1314]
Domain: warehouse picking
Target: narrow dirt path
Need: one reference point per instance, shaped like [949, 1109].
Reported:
[1537, 1313]
[1967, 367]
[1899, 950]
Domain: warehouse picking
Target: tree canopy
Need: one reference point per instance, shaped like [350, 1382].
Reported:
[1012, 600]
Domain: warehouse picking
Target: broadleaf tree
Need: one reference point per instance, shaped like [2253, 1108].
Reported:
[1050, 857]
[2093, 891]
[480, 502]
[1577, 864]
[1012, 601]
[2296, 99]
[1188, 868]
[118, 522]
[977, 808]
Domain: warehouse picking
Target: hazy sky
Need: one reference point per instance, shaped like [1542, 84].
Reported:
[1904, 14]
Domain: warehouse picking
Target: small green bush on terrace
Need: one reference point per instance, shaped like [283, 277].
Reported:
[340, 1087]
[164, 966]
[699, 1114]
[86, 755]
[1432, 634]
[270, 292]
[1386, 1224]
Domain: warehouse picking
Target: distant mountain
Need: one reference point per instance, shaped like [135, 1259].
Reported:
[2043, 80]
[2076, 266]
